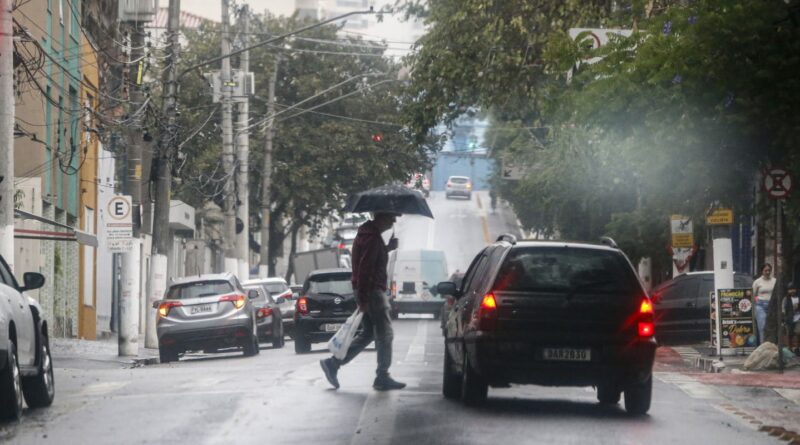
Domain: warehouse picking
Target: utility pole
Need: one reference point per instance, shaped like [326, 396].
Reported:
[266, 175]
[6, 133]
[162, 163]
[228, 210]
[243, 145]
[128, 338]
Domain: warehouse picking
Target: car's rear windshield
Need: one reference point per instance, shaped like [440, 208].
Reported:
[567, 269]
[332, 284]
[456, 180]
[275, 288]
[199, 289]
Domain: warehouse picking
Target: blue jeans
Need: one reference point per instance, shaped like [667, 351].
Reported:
[761, 318]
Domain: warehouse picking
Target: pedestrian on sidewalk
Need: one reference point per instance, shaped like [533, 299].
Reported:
[762, 291]
[370, 256]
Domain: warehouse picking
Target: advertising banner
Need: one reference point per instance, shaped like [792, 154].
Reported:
[735, 311]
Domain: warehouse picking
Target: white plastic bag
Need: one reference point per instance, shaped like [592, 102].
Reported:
[340, 342]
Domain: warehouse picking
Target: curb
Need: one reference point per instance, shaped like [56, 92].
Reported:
[145, 361]
[708, 364]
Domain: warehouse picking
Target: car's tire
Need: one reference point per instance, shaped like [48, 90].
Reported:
[608, 394]
[167, 354]
[437, 314]
[451, 380]
[474, 388]
[40, 390]
[394, 315]
[301, 345]
[278, 342]
[638, 397]
[11, 386]
[251, 346]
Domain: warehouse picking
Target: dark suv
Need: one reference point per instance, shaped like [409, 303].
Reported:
[682, 306]
[550, 313]
[325, 302]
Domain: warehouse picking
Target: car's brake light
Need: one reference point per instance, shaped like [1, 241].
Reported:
[238, 300]
[646, 326]
[264, 312]
[302, 306]
[394, 289]
[487, 313]
[163, 308]
[342, 246]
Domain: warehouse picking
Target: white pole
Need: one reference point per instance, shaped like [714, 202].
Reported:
[243, 140]
[129, 301]
[6, 133]
[229, 212]
[157, 288]
[723, 271]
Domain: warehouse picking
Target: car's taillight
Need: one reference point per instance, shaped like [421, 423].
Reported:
[264, 312]
[449, 184]
[302, 306]
[394, 289]
[238, 300]
[342, 246]
[163, 308]
[646, 323]
[487, 313]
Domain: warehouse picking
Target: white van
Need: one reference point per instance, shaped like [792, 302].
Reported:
[413, 276]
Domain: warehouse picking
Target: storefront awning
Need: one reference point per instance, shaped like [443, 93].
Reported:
[73, 234]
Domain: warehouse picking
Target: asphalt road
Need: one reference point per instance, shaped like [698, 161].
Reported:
[279, 397]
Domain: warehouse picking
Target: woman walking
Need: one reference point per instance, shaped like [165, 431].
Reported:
[762, 291]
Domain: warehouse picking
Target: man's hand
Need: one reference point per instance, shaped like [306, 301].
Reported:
[363, 302]
[392, 244]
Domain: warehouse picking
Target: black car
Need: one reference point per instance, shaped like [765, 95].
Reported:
[550, 313]
[682, 306]
[269, 321]
[325, 302]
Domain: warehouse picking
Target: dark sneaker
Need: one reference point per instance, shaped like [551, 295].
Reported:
[330, 370]
[386, 383]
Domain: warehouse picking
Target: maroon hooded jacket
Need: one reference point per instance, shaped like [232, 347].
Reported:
[370, 257]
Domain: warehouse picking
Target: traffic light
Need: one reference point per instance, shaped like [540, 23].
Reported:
[378, 137]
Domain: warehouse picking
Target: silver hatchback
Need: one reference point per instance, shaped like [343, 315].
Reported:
[206, 312]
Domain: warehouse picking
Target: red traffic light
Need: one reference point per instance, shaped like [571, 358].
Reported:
[377, 137]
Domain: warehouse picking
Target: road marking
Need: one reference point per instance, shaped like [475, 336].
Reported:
[376, 424]
[99, 389]
[688, 385]
[416, 351]
[789, 394]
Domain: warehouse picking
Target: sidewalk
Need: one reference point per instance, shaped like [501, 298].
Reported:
[102, 350]
[728, 370]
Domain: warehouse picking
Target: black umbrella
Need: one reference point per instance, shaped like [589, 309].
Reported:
[389, 198]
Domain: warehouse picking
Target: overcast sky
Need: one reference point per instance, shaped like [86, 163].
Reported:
[399, 34]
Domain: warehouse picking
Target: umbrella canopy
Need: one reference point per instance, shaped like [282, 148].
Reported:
[389, 198]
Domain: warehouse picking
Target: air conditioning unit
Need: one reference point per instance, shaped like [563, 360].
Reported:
[137, 10]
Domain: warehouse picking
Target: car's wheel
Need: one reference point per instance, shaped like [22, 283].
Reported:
[436, 315]
[638, 397]
[278, 341]
[608, 394]
[251, 347]
[474, 388]
[451, 380]
[11, 387]
[394, 315]
[301, 345]
[40, 389]
[167, 354]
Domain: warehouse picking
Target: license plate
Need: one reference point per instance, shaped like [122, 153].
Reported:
[331, 327]
[567, 354]
[199, 309]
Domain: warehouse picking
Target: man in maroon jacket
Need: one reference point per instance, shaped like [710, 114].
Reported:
[370, 256]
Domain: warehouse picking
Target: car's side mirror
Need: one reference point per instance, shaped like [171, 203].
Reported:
[32, 280]
[447, 288]
[280, 300]
[252, 294]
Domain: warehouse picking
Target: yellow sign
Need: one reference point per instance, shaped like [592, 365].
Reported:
[682, 240]
[720, 217]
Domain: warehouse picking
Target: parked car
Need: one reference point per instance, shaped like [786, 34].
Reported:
[413, 275]
[296, 290]
[278, 289]
[683, 309]
[325, 303]
[26, 368]
[458, 186]
[269, 323]
[550, 313]
[206, 312]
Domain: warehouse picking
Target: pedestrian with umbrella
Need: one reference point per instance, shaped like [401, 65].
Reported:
[370, 257]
